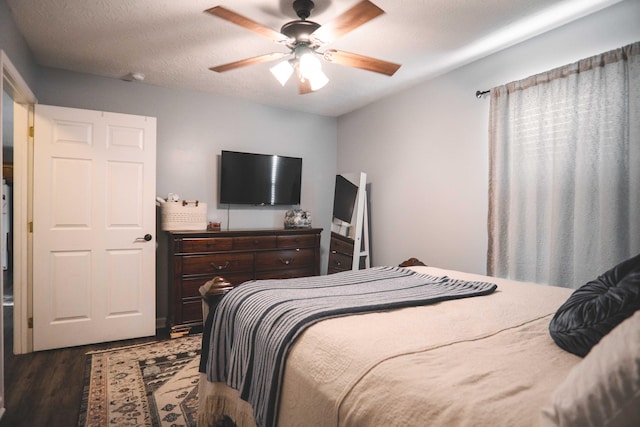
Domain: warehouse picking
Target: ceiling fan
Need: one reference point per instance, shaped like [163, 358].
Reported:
[304, 39]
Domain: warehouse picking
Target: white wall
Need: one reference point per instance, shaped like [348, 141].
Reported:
[193, 128]
[425, 150]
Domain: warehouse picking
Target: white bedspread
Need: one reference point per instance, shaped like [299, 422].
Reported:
[480, 361]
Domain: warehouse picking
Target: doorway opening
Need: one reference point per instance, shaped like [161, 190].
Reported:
[6, 240]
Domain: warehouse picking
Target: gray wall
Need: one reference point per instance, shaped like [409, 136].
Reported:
[425, 150]
[14, 45]
[7, 128]
[192, 129]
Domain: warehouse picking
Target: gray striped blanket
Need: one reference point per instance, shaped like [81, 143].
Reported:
[255, 324]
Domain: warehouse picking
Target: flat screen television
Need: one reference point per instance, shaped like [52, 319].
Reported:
[259, 179]
[344, 198]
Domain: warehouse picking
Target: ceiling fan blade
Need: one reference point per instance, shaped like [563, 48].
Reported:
[359, 14]
[249, 61]
[249, 24]
[360, 61]
[304, 86]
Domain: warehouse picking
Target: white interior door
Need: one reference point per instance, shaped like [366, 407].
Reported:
[93, 205]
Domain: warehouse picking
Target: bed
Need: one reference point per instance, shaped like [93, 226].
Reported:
[486, 359]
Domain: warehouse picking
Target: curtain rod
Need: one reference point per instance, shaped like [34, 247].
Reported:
[481, 93]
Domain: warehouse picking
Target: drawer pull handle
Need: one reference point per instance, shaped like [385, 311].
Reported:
[219, 267]
[285, 261]
[338, 263]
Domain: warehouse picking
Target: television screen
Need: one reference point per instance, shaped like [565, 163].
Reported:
[259, 179]
[344, 198]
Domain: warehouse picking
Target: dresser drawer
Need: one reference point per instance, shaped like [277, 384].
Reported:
[207, 244]
[254, 242]
[220, 264]
[340, 246]
[192, 310]
[286, 274]
[191, 285]
[285, 259]
[339, 262]
[296, 241]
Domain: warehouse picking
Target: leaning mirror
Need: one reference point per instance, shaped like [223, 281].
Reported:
[349, 225]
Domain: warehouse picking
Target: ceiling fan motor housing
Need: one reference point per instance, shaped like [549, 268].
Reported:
[299, 30]
[303, 8]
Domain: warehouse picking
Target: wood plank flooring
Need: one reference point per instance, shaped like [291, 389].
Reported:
[45, 388]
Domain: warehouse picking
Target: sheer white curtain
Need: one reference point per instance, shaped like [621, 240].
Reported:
[564, 186]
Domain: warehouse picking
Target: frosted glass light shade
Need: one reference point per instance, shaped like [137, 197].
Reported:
[311, 69]
[319, 80]
[282, 71]
[307, 67]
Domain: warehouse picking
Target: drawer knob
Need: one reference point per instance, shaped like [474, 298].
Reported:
[285, 261]
[219, 267]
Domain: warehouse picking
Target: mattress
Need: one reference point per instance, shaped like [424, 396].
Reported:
[485, 360]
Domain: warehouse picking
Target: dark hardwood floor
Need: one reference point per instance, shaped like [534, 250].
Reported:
[45, 388]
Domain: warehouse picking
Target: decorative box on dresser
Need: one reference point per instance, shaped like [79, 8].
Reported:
[196, 257]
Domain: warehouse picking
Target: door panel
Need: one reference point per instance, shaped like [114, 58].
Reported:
[124, 195]
[94, 201]
[125, 288]
[71, 186]
[70, 296]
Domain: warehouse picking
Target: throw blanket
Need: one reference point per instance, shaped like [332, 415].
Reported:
[255, 324]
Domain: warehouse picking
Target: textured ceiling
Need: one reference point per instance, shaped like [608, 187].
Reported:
[173, 43]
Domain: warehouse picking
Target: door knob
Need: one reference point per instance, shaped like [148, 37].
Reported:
[146, 238]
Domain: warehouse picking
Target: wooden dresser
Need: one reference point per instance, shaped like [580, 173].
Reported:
[237, 255]
[340, 253]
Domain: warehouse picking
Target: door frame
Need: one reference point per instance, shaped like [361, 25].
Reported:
[23, 100]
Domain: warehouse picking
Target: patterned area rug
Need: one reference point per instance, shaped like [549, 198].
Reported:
[152, 384]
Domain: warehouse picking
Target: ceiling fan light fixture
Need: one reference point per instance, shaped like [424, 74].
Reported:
[309, 65]
[282, 71]
[319, 80]
[309, 68]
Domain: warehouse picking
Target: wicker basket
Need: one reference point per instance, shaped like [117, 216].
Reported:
[187, 215]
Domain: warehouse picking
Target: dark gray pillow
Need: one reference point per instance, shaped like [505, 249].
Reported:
[597, 307]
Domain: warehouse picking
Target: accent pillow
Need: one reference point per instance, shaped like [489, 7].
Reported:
[597, 307]
[604, 388]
